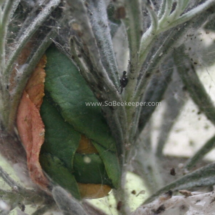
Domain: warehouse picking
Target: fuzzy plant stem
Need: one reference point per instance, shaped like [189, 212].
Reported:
[134, 71]
[19, 195]
[200, 178]
[145, 163]
[32, 28]
[206, 148]
[133, 26]
[194, 86]
[163, 52]
[121, 194]
[91, 209]
[168, 21]
[91, 48]
[148, 38]
[153, 66]
[6, 13]
[101, 29]
[159, 55]
[67, 204]
[154, 93]
[42, 210]
[26, 197]
[9, 180]
[5, 16]
[172, 110]
[191, 203]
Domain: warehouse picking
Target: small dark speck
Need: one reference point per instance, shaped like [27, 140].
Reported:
[100, 75]
[184, 88]
[112, 108]
[120, 13]
[172, 171]
[22, 207]
[148, 75]
[160, 209]
[169, 193]
[50, 187]
[100, 87]
[133, 192]
[119, 205]
[174, 6]
[183, 207]
[123, 81]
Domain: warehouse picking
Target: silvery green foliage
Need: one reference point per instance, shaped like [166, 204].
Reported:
[148, 43]
[189, 203]
[67, 204]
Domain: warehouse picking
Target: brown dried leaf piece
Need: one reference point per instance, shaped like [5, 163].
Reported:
[30, 125]
[93, 191]
[85, 146]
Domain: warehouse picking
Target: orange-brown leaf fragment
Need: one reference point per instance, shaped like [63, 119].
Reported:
[30, 125]
[93, 191]
[85, 146]
[35, 85]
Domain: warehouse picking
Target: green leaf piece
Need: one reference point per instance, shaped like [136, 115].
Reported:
[61, 140]
[60, 174]
[89, 169]
[111, 164]
[70, 92]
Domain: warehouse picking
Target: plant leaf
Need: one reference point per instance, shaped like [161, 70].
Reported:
[69, 93]
[88, 168]
[60, 174]
[58, 152]
[61, 140]
[30, 125]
